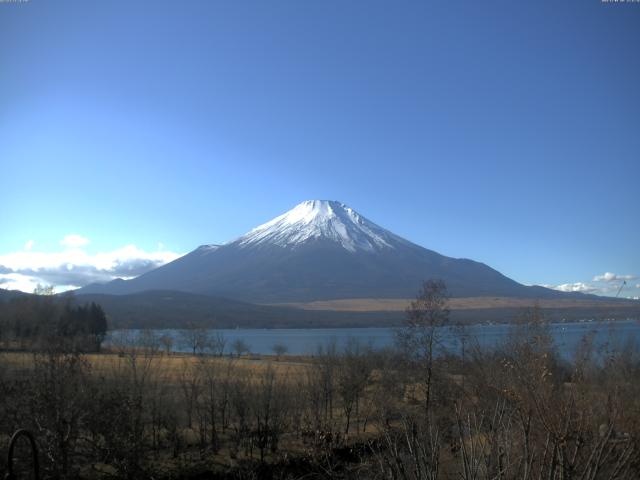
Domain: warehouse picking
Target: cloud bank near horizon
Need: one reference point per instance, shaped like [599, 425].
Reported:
[608, 283]
[73, 267]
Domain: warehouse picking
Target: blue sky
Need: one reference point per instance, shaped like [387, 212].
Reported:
[507, 132]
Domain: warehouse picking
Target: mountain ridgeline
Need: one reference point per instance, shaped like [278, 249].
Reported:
[320, 250]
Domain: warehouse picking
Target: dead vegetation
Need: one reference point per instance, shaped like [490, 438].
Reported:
[519, 412]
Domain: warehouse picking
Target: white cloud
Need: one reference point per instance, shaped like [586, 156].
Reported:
[74, 267]
[576, 287]
[606, 284]
[29, 245]
[16, 281]
[74, 241]
[612, 277]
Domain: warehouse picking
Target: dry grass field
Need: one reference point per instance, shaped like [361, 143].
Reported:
[171, 368]
[469, 303]
[146, 414]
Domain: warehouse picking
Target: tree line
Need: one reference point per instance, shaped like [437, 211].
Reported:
[40, 320]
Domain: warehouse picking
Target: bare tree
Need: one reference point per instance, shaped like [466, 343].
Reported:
[240, 347]
[217, 344]
[326, 361]
[240, 402]
[190, 388]
[279, 349]
[196, 339]
[167, 343]
[213, 400]
[354, 370]
[269, 408]
[422, 333]
[59, 404]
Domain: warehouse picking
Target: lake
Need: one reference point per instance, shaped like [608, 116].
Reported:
[567, 336]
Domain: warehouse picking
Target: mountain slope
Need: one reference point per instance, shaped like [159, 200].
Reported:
[320, 250]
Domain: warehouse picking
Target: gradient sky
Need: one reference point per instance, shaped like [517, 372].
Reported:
[507, 132]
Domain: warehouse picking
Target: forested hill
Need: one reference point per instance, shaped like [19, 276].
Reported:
[172, 309]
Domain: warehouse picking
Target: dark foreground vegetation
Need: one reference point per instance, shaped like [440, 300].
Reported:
[417, 412]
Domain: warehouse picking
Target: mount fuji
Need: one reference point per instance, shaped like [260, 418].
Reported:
[320, 250]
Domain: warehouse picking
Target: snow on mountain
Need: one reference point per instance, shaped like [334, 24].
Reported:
[321, 219]
[320, 250]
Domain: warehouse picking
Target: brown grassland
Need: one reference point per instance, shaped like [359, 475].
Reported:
[468, 303]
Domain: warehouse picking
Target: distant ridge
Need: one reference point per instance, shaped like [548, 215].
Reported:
[173, 309]
[6, 295]
[321, 250]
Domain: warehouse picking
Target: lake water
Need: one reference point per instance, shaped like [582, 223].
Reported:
[567, 337]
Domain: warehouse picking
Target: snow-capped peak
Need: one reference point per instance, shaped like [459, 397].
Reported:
[321, 219]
